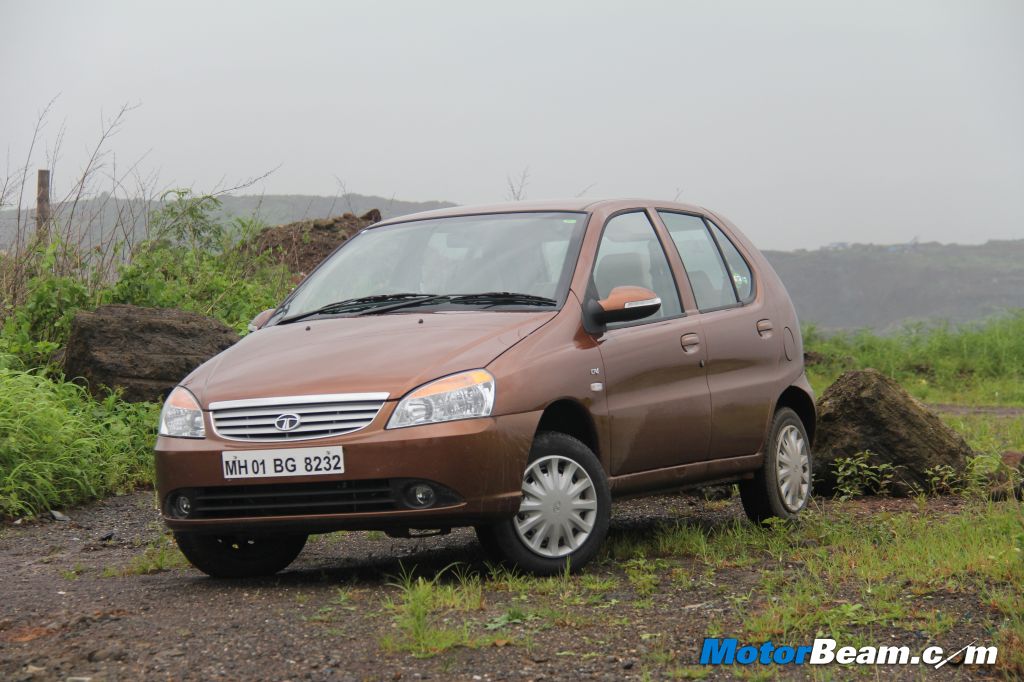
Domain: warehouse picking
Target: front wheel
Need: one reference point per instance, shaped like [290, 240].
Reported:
[782, 488]
[240, 555]
[564, 514]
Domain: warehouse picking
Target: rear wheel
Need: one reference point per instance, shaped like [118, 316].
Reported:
[563, 517]
[239, 555]
[782, 488]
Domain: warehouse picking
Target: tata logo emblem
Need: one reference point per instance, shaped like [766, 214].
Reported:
[287, 422]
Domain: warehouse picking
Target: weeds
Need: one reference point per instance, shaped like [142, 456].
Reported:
[59, 446]
[420, 612]
[159, 555]
[858, 475]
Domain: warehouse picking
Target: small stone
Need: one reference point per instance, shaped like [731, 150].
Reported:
[59, 516]
[33, 669]
[79, 679]
[627, 665]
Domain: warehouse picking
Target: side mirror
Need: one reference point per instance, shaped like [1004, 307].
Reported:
[261, 319]
[625, 304]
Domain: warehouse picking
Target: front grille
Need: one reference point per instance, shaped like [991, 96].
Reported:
[295, 418]
[292, 499]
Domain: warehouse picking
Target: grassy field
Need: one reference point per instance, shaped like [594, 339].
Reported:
[981, 364]
[863, 572]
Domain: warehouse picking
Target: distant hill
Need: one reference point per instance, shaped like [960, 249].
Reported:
[102, 213]
[844, 286]
[883, 287]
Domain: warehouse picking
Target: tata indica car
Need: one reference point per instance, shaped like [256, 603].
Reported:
[512, 368]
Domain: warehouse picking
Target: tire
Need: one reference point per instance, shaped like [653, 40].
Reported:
[239, 555]
[561, 522]
[787, 459]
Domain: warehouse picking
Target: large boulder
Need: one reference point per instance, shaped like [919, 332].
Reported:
[303, 245]
[143, 351]
[865, 411]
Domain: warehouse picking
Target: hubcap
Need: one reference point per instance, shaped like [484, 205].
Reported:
[559, 507]
[793, 468]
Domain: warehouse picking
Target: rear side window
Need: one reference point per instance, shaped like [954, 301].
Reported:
[705, 269]
[631, 255]
[738, 267]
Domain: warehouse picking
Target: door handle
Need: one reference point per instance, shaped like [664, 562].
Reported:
[764, 328]
[690, 343]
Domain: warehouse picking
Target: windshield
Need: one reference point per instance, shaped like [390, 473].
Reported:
[530, 254]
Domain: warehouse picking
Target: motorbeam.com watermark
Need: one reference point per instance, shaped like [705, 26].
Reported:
[728, 651]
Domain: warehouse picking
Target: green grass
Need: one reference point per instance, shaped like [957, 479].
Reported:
[160, 555]
[974, 364]
[848, 574]
[990, 434]
[422, 609]
[59, 446]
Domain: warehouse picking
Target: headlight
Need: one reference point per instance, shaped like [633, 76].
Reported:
[182, 417]
[459, 396]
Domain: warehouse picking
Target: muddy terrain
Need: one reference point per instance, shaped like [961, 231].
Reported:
[104, 596]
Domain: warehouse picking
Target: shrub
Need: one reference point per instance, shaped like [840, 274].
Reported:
[196, 264]
[41, 324]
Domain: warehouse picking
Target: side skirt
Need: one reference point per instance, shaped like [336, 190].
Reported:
[716, 470]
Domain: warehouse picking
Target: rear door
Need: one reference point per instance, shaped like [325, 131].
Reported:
[657, 393]
[743, 347]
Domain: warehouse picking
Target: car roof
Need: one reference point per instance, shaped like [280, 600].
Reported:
[584, 205]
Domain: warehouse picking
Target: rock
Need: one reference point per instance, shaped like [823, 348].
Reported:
[114, 653]
[865, 411]
[59, 516]
[144, 351]
[301, 246]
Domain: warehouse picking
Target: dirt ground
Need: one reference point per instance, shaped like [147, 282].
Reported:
[76, 603]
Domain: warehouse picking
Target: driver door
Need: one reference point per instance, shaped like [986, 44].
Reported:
[655, 380]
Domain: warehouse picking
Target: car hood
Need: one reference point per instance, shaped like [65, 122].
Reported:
[376, 353]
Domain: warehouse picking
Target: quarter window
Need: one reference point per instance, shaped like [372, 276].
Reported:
[738, 267]
[708, 276]
[631, 255]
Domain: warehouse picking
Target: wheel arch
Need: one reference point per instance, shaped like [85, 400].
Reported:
[570, 417]
[798, 400]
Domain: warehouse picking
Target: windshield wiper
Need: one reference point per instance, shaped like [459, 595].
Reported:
[490, 299]
[360, 304]
[503, 298]
[385, 303]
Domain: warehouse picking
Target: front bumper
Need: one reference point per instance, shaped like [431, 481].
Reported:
[479, 461]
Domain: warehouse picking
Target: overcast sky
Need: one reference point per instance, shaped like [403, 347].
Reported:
[805, 122]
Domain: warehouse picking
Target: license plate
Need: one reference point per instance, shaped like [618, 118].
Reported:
[287, 462]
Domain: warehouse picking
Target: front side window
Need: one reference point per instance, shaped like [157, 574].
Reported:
[532, 254]
[631, 255]
[709, 278]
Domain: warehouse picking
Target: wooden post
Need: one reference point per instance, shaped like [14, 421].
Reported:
[43, 202]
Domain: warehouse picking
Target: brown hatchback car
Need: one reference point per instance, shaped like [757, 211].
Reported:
[511, 368]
